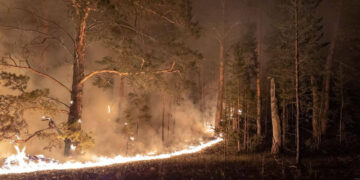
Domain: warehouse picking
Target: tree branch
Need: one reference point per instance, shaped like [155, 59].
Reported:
[58, 110]
[38, 73]
[156, 13]
[58, 101]
[170, 70]
[48, 21]
[48, 36]
[33, 135]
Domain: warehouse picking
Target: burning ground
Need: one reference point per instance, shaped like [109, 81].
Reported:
[212, 164]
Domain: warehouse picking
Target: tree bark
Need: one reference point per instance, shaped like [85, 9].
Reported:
[245, 120]
[341, 104]
[296, 48]
[74, 119]
[275, 119]
[284, 124]
[315, 114]
[163, 119]
[327, 78]
[258, 71]
[220, 87]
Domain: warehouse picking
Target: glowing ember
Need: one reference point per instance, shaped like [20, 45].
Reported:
[21, 163]
[72, 147]
[109, 109]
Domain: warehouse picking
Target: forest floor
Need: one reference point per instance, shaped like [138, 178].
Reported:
[212, 164]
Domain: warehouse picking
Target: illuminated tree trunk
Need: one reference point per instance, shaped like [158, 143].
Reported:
[296, 48]
[163, 119]
[74, 119]
[315, 113]
[220, 86]
[327, 78]
[275, 119]
[245, 120]
[258, 71]
[238, 122]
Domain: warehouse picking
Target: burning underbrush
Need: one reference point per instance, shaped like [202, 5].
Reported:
[22, 162]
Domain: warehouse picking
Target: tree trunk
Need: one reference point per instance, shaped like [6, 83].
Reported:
[258, 71]
[169, 116]
[275, 119]
[220, 87]
[238, 122]
[74, 119]
[315, 114]
[341, 104]
[163, 119]
[296, 44]
[245, 120]
[284, 124]
[328, 65]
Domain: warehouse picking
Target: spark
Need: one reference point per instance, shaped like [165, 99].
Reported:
[17, 137]
[20, 162]
[71, 102]
[239, 111]
[72, 147]
[125, 123]
[80, 121]
[132, 138]
[109, 109]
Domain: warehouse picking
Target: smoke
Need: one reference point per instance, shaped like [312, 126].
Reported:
[182, 127]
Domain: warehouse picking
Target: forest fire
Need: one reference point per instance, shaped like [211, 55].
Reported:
[93, 85]
[22, 163]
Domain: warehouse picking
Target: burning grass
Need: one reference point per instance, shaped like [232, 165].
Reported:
[211, 164]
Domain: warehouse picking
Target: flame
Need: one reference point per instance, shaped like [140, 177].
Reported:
[21, 163]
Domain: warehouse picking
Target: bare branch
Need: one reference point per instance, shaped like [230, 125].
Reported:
[48, 21]
[156, 13]
[7, 27]
[58, 101]
[137, 31]
[33, 135]
[41, 108]
[38, 73]
[48, 36]
[170, 70]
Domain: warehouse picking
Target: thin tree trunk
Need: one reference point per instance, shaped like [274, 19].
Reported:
[163, 119]
[315, 114]
[284, 124]
[238, 121]
[275, 119]
[297, 84]
[328, 66]
[245, 120]
[266, 115]
[74, 119]
[258, 71]
[221, 40]
[220, 87]
[341, 104]
[169, 118]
